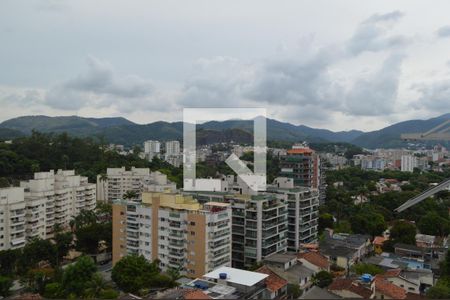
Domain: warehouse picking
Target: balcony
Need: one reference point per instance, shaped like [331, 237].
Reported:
[219, 244]
[176, 244]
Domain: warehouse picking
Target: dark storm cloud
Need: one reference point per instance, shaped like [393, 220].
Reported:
[99, 84]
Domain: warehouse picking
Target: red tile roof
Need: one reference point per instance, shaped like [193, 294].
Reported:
[273, 282]
[195, 294]
[343, 284]
[300, 151]
[388, 289]
[379, 240]
[315, 258]
[392, 273]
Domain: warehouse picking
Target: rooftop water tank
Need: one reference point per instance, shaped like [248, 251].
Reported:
[223, 276]
[366, 278]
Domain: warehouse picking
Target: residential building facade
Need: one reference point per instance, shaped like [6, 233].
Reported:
[259, 225]
[55, 198]
[303, 211]
[181, 233]
[152, 149]
[118, 181]
[33, 209]
[12, 218]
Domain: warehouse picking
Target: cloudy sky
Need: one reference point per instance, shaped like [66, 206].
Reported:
[330, 64]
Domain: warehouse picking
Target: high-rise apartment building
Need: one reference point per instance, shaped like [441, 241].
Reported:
[172, 148]
[118, 181]
[303, 211]
[409, 162]
[175, 229]
[259, 225]
[12, 218]
[303, 164]
[173, 153]
[152, 149]
[152, 146]
[55, 198]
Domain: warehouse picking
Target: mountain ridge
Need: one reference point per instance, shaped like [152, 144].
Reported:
[120, 130]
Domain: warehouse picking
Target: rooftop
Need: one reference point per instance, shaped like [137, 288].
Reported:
[237, 276]
[195, 294]
[379, 240]
[344, 284]
[281, 257]
[300, 151]
[318, 293]
[273, 282]
[389, 289]
[315, 258]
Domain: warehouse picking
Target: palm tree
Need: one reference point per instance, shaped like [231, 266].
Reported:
[104, 180]
[95, 286]
[130, 195]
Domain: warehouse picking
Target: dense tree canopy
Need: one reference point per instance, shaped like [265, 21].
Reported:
[404, 232]
[322, 279]
[134, 273]
[76, 276]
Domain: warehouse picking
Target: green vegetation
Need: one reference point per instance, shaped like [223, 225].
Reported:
[441, 290]
[433, 224]
[293, 291]
[5, 286]
[403, 232]
[363, 268]
[38, 265]
[377, 210]
[322, 279]
[134, 273]
[87, 156]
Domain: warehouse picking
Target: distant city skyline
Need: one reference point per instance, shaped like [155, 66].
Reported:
[335, 65]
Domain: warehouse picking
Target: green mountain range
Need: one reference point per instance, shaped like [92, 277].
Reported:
[123, 131]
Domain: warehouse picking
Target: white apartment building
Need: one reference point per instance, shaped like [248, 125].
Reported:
[409, 162]
[33, 209]
[118, 181]
[12, 218]
[55, 198]
[172, 148]
[152, 149]
[173, 153]
[176, 229]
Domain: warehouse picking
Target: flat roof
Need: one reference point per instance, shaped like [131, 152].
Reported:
[237, 276]
[281, 257]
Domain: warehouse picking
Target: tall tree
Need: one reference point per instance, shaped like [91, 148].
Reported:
[77, 276]
[63, 243]
[404, 232]
[8, 261]
[322, 279]
[35, 251]
[6, 284]
[433, 224]
[133, 273]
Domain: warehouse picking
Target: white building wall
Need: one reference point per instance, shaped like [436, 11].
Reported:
[12, 218]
